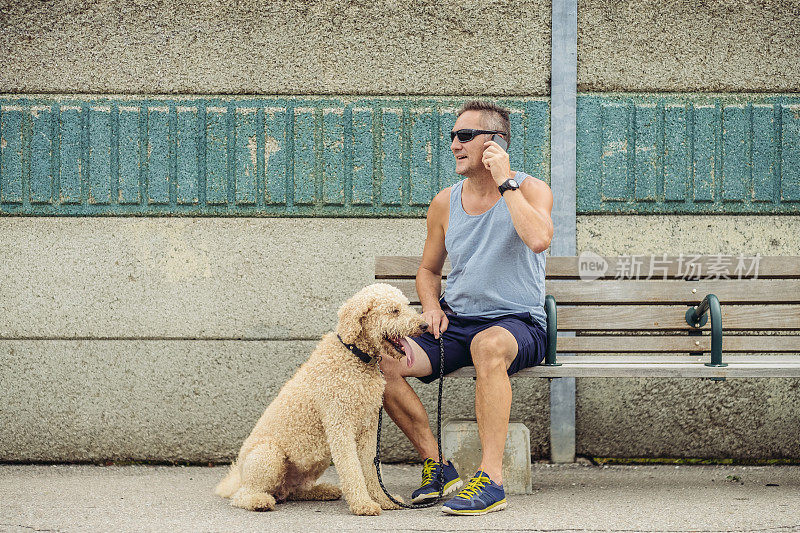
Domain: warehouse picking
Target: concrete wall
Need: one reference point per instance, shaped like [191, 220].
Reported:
[684, 45]
[202, 321]
[119, 335]
[277, 47]
[427, 47]
[164, 339]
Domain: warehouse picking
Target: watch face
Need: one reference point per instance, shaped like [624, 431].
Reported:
[512, 182]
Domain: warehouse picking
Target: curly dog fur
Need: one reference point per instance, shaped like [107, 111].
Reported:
[329, 409]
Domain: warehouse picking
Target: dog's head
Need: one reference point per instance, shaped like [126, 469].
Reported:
[376, 318]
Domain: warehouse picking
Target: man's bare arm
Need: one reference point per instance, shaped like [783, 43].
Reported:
[429, 273]
[531, 206]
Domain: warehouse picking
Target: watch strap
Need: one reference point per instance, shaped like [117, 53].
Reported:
[505, 186]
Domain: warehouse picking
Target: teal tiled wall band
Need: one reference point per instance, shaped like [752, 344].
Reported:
[239, 157]
[637, 153]
[688, 153]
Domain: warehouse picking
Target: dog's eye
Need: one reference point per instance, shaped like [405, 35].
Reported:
[395, 311]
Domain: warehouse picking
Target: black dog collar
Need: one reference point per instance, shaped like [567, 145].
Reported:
[364, 356]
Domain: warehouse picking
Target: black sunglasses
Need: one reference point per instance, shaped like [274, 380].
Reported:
[467, 135]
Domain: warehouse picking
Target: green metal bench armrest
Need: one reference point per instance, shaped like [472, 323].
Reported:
[550, 309]
[696, 317]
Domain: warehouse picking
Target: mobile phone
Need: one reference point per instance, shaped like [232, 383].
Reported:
[499, 140]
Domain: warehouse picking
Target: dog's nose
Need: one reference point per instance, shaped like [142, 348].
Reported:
[424, 327]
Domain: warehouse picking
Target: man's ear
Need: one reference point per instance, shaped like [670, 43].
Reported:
[350, 315]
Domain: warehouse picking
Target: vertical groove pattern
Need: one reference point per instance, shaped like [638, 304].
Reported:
[186, 155]
[790, 154]
[158, 155]
[246, 159]
[41, 155]
[688, 154]
[240, 157]
[11, 144]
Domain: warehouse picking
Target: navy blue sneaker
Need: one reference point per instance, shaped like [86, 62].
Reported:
[429, 490]
[480, 496]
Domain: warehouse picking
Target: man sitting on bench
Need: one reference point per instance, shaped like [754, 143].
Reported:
[495, 225]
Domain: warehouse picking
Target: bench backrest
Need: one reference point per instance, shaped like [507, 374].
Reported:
[612, 303]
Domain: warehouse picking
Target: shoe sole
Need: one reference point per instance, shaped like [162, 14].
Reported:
[499, 506]
[448, 489]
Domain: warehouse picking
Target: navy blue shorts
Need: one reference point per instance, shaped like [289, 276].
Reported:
[531, 339]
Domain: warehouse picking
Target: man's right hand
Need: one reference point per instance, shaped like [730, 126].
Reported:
[437, 321]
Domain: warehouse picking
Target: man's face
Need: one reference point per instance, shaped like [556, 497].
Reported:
[469, 154]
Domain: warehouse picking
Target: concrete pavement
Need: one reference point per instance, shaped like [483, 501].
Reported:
[76, 498]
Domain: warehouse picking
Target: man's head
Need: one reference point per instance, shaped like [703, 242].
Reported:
[477, 115]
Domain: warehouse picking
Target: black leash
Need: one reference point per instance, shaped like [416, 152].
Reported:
[440, 475]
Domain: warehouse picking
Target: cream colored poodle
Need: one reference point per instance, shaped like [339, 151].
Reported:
[329, 409]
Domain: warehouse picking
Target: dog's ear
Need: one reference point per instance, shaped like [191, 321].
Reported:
[350, 315]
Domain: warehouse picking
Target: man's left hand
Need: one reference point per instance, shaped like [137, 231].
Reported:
[495, 159]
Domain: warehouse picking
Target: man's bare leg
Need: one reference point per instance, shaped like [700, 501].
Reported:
[404, 406]
[493, 351]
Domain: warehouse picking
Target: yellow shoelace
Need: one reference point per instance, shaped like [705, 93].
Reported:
[427, 472]
[473, 487]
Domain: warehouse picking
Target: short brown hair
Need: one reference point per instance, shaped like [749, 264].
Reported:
[495, 117]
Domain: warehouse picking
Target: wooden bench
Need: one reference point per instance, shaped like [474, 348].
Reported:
[682, 316]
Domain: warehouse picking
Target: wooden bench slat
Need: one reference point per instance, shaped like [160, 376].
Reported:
[759, 343]
[660, 317]
[570, 292]
[674, 291]
[757, 359]
[672, 317]
[697, 370]
[400, 267]
[676, 343]
[405, 267]
[409, 288]
[677, 266]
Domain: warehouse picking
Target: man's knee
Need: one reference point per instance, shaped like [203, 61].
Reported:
[492, 348]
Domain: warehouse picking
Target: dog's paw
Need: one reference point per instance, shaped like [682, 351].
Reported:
[253, 501]
[389, 505]
[365, 508]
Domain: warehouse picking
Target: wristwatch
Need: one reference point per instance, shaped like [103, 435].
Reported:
[509, 184]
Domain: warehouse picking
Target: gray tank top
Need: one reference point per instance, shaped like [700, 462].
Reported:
[494, 273]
